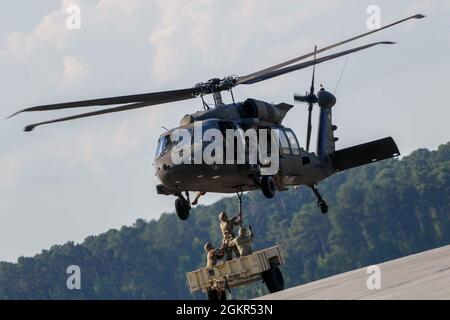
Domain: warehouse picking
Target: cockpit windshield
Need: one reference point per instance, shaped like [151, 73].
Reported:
[164, 143]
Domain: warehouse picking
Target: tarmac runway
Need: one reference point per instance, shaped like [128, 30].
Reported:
[425, 275]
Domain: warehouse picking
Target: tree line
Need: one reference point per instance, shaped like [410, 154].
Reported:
[377, 213]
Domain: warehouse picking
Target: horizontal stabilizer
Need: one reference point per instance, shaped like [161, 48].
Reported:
[365, 153]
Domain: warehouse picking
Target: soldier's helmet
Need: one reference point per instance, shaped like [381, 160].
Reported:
[242, 231]
[208, 246]
[223, 216]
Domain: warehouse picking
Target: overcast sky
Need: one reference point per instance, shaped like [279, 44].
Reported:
[70, 180]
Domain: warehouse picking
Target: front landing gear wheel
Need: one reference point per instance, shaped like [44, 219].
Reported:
[268, 186]
[323, 206]
[182, 208]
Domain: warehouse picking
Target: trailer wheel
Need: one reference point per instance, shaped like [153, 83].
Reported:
[273, 278]
[214, 295]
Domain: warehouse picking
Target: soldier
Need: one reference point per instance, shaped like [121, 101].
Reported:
[227, 225]
[243, 241]
[212, 254]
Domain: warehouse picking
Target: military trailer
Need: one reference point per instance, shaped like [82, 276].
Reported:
[260, 265]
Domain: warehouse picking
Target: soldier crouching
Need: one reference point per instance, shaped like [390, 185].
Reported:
[212, 254]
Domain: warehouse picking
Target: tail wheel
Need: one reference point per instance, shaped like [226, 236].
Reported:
[273, 278]
[182, 209]
[268, 186]
[323, 206]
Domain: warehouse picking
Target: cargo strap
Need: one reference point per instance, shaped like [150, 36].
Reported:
[239, 194]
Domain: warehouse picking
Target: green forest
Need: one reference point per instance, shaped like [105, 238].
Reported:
[377, 212]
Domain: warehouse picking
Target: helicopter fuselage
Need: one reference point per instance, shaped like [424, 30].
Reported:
[295, 166]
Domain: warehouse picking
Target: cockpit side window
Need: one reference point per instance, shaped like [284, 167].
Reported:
[293, 142]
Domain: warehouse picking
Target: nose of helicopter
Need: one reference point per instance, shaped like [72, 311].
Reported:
[167, 171]
[175, 176]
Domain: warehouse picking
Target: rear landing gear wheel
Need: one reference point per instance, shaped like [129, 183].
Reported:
[323, 206]
[320, 202]
[268, 186]
[182, 208]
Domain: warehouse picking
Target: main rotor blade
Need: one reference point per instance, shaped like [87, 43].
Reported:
[152, 98]
[96, 113]
[311, 90]
[279, 72]
[286, 63]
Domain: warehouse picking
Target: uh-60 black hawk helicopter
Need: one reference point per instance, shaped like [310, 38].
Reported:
[297, 166]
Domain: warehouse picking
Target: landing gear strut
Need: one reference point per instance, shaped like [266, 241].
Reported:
[183, 206]
[320, 202]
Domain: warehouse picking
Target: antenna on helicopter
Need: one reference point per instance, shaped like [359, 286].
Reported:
[340, 76]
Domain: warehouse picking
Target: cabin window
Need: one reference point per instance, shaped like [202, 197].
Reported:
[284, 143]
[293, 141]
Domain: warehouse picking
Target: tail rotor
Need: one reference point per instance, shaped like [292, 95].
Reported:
[309, 98]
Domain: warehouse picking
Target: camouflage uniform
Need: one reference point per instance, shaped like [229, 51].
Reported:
[227, 225]
[212, 255]
[243, 242]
